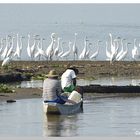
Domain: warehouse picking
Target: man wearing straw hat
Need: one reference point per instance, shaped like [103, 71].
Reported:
[52, 89]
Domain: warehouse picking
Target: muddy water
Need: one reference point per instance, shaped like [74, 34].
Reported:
[101, 117]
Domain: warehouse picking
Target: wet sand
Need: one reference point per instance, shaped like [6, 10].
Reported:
[21, 93]
[87, 69]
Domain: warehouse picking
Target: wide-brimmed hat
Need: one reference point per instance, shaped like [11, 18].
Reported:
[52, 73]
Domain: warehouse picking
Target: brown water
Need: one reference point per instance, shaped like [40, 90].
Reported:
[101, 117]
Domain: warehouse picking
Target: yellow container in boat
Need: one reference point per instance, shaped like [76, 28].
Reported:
[75, 96]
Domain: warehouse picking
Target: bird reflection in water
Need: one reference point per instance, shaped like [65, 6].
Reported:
[59, 125]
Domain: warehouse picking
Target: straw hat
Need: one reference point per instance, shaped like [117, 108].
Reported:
[52, 74]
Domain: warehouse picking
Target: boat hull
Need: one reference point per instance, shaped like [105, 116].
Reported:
[64, 109]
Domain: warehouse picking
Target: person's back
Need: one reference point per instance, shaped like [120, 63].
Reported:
[51, 89]
[66, 78]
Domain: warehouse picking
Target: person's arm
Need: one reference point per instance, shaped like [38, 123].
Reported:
[74, 81]
[58, 89]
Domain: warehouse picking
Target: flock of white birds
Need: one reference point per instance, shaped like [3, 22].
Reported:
[11, 48]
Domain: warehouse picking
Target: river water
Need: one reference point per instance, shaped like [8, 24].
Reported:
[123, 81]
[101, 117]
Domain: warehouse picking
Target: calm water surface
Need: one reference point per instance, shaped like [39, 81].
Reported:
[102, 81]
[101, 117]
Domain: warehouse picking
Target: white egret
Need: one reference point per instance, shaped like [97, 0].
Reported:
[50, 49]
[108, 54]
[74, 47]
[21, 45]
[34, 45]
[1, 45]
[17, 52]
[113, 49]
[28, 46]
[10, 50]
[122, 57]
[88, 50]
[4, 53]
[114, 52]
[62, 50]
[56, 51]
[7, 60]
[40, 51]
[94, 55]
[135, 52]
[83, 53]
[67, 53]
[122, 49]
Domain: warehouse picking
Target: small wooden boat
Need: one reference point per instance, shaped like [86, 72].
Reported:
[64, 109]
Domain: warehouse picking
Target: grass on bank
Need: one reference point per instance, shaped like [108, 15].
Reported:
[6, 89]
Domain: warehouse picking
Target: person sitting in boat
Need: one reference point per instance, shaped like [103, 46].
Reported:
[68, 79]
[52, 89]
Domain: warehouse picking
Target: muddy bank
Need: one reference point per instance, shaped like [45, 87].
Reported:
[21, 93]
[87, 69]
[132, 90]
[94, 91]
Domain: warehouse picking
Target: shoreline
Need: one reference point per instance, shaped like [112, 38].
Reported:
[87, 70]
[21, 93]
[30, 93]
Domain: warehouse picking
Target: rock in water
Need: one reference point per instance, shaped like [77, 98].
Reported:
[11, 101]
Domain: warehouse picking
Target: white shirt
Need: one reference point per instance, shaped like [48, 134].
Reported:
[66, 78]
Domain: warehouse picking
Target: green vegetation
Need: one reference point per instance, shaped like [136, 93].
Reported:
[6, 89]
[39, 77]
[90, 78]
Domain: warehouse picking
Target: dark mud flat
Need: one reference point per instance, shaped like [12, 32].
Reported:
[120, 90]
[87, 69]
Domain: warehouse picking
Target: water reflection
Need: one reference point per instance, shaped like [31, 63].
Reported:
[101, 117]
[59, 125]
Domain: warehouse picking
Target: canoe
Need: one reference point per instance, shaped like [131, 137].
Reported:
[64, 109]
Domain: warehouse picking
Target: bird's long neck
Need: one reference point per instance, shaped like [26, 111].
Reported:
[21, 43]
[28, 40]
[69, 46]
[12, 42]
[41, 43]
[58, 43]
[111, 39]
[135, 43]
